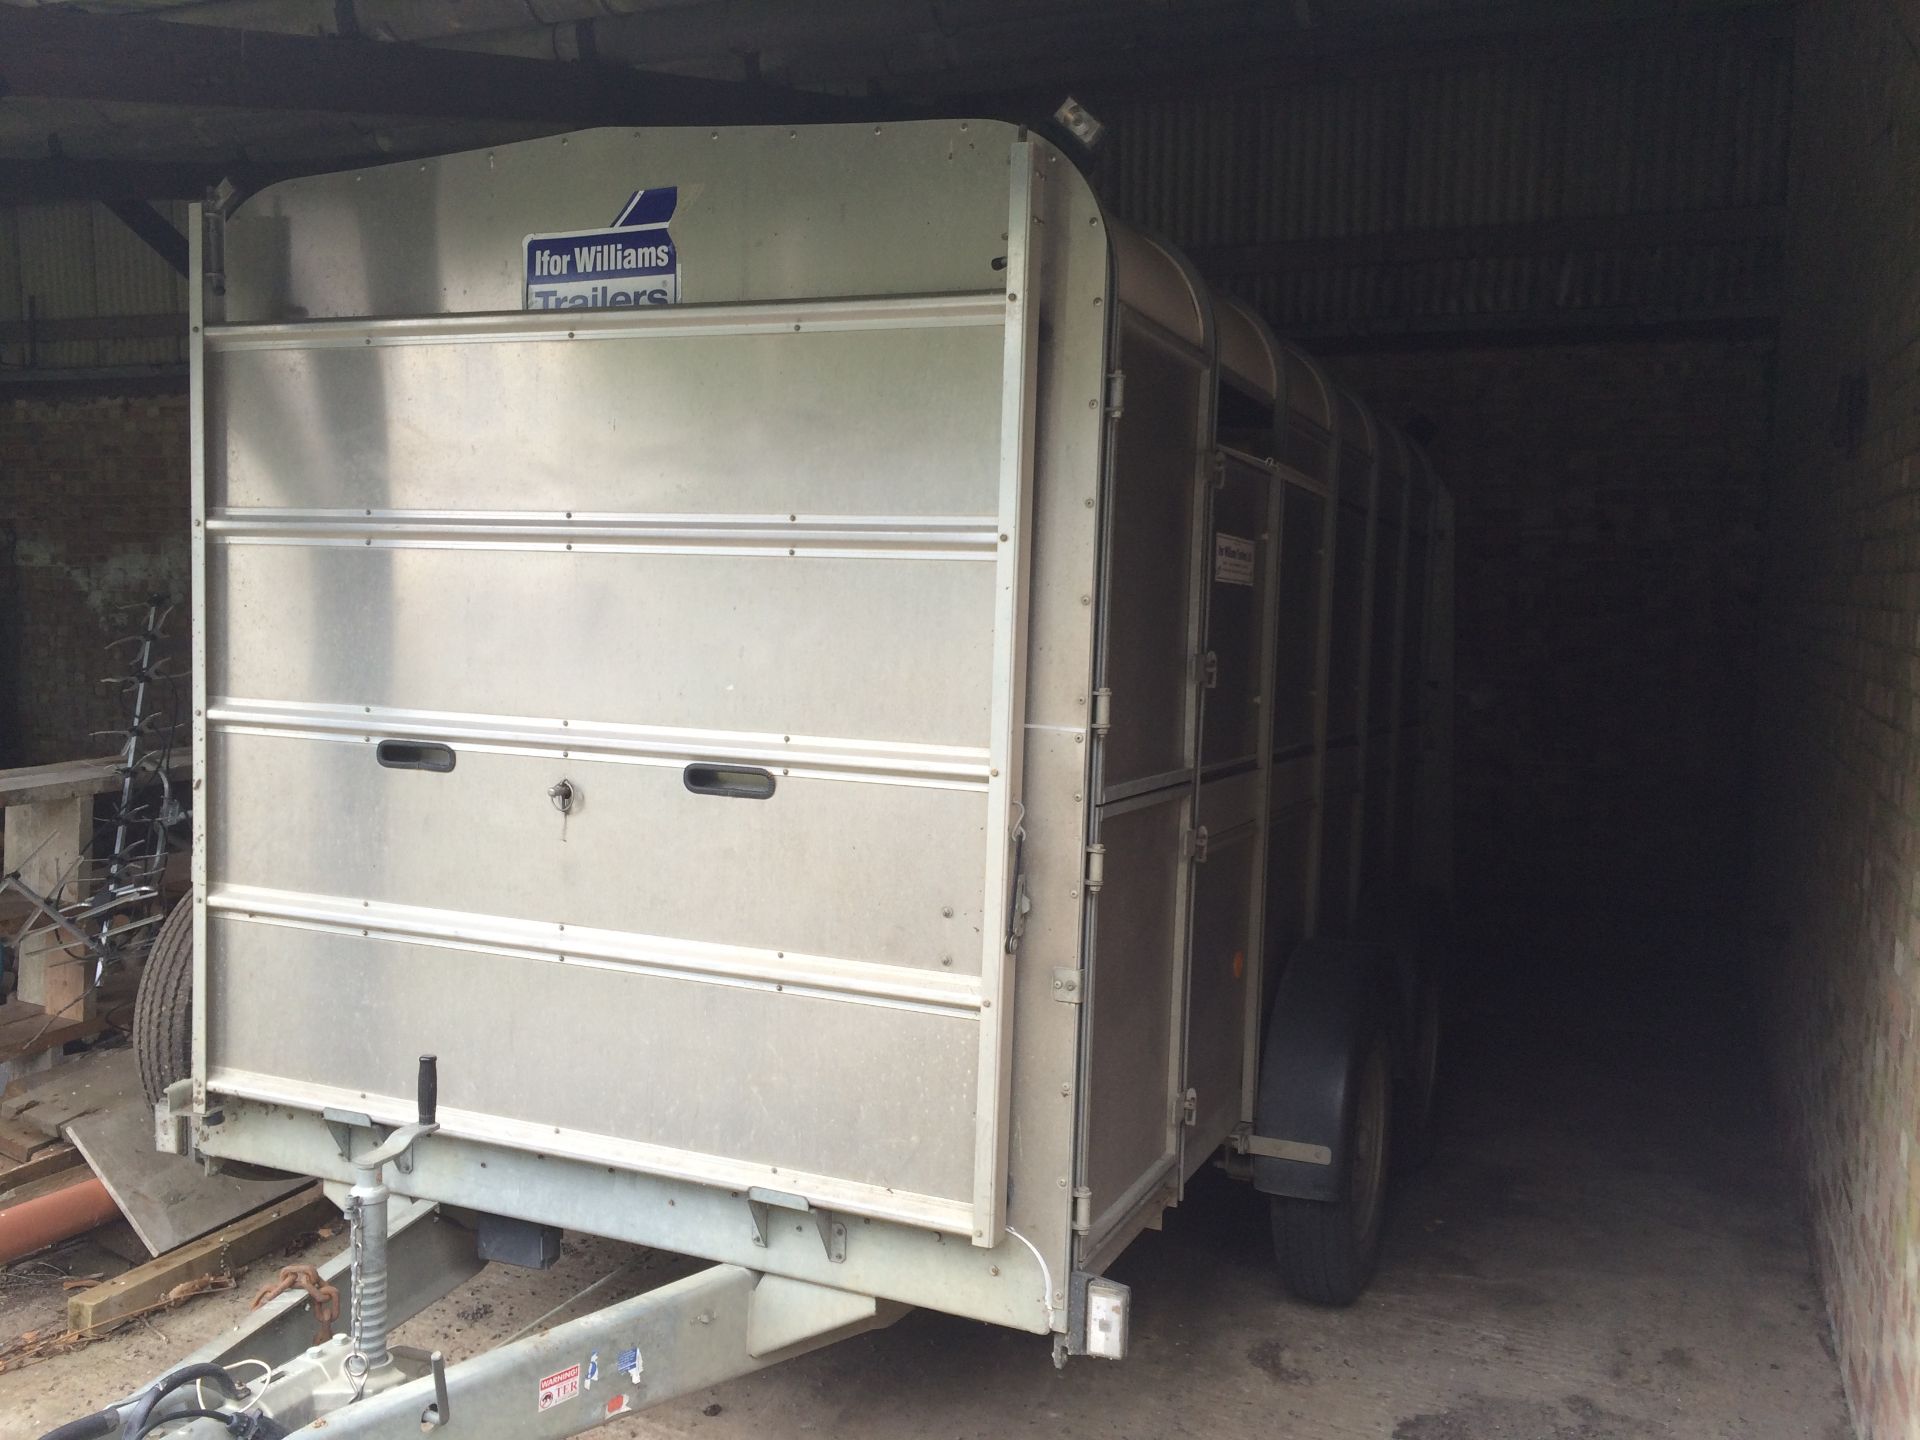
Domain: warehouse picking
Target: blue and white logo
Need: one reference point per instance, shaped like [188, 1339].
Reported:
[632, 262]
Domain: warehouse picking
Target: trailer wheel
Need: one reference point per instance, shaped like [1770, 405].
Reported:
[163, 1006]
[1327, 1248]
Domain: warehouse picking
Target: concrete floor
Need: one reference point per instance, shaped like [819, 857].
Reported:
[1606, 1247]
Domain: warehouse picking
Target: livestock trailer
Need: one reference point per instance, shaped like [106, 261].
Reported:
[864, 721]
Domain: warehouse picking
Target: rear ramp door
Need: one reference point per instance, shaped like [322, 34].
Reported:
[619, 707]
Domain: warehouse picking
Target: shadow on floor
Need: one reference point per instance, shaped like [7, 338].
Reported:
[1606, 1247]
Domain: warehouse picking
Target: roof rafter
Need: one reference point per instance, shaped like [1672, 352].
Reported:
[66, 54]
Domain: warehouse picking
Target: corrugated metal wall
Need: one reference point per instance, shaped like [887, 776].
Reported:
[1641, 185]
[74, 261]
[1532, 146]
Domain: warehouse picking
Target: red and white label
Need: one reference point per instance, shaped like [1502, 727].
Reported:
[560, 1386]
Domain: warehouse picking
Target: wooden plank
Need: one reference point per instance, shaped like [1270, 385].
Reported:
[45, 841]
[225, 1252]
[50, 1161]
[50, 1184]
[67, 780]
[25, 1031]
[86, 1083]
[19, 1142]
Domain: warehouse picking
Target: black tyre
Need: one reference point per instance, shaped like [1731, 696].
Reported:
[1327, 1248]
[163, 1006]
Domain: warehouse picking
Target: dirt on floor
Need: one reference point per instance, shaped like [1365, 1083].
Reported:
[1605, 1248]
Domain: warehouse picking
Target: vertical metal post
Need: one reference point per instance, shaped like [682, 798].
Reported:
[1397, 675]
[1323, 656]
[199, 221]
[131, 750]
[1007, 721]
[1363, 701]
[367, 1212]
[1262, 918]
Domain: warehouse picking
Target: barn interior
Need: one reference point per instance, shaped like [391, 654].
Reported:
[1640, 275]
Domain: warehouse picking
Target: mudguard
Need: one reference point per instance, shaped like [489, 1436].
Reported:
[1333, 995]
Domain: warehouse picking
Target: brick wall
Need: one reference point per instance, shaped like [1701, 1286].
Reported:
[1837, 896]
[1610, 500]
[93, 516]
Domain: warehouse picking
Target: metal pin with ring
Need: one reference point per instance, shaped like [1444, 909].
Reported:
[563, 795]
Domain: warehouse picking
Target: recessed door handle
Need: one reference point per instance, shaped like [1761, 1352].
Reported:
[415, 755]
[739, 782]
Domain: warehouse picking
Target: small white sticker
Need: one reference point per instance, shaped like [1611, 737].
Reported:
[1232, 560]
[560, 1386]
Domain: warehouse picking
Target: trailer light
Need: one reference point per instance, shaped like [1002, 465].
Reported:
[1107, 1304]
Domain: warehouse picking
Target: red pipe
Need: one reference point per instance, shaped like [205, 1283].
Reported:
[45, 1220]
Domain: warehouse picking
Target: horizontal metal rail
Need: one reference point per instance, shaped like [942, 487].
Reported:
[956, 767]
[819, 976]
[909, 537]
[913, 312]
[605, 1153]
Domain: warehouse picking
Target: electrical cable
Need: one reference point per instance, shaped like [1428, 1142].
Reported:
[265, 1370]
[225, 1417]
[140, 1416]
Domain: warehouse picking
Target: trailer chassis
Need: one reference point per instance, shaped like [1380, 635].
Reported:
[694, 1332]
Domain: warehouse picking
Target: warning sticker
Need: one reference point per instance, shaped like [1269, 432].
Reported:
[632, 262]
[560, 1386]
[1232, 560]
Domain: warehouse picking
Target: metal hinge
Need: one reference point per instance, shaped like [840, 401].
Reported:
[1082, 1209]
[1209, 671]
[1217, 466]
[1066, 984]
[1096, 867]
[1197, 845]
[1190, 1107]
[1116, 393]
[1102, 712]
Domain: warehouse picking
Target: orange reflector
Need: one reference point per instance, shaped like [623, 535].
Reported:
[1239, 963]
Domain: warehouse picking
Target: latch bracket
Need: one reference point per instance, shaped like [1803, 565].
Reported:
[341, 1124]
[1066, 984]
[762, 1202]
[1022, 907]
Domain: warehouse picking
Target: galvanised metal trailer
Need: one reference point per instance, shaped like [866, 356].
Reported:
[866, 722]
